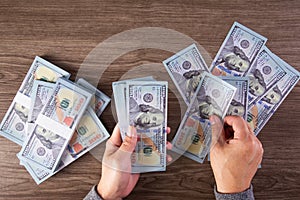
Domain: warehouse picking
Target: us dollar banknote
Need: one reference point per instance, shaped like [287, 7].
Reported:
[120, 99]
[43, 148]
[185, 69]
[41, 70]
[213, 97]
[89, 133]
[13, 126]
[66, 104]
[55, 125]
[265, 71]
[99, 100]
[13, 123]
[239, 103]
[41, 93]
[263, 110]
[147, 111]
[237, 52]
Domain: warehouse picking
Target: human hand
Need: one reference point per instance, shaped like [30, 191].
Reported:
[235, 154]
[117, 181]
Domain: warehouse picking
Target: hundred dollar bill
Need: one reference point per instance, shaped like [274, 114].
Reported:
[67, 104]
[41, 94]
[13, 126]
[55, 125]
[43, 148]
[119, 91]
[265, 71]
[89, 133]
[237, 52]
[212, 97]
[239, 103]
[147, 111]
[41, 70]
[99, 101]
[262, 111]
[13, 123]
[185, 69]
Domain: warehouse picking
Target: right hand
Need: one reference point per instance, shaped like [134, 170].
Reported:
[234, 158]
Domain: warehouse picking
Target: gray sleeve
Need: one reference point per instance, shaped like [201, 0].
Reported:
[246, 195]
[93, 195]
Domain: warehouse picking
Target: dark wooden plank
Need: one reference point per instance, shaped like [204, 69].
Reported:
[65, 33]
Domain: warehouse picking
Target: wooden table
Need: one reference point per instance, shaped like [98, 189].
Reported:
[65, 33]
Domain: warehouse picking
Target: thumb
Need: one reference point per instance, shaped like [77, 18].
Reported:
[217, 131]
[130, 140]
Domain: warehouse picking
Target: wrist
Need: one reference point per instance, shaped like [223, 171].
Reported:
[98, 191]
[247, 194]
[105, 194]
[229, 188]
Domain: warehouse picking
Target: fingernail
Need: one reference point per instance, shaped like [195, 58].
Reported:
[129, 132]
[168, 129]
[169, 158]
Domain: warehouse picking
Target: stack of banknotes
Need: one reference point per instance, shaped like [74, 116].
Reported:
[244, 79]
[142, 103]
[55, 120]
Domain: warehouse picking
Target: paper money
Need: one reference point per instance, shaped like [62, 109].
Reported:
[55, 125]
[90, 133]
[44, 147]
[260, 114]
[66, 104]
[13, 123]
[237, 52]
[41, 70]
[13, 126]
[99, 101]
[119, 91]
[41, 94]
[239, 103]
[213, 97]
[263, 74]
[185, 69]
[147, 109]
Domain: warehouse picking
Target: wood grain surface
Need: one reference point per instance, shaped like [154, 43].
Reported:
[64, 32]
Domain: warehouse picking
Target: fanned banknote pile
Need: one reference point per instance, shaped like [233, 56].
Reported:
[142, 103]
[55, 120]
[244, 79]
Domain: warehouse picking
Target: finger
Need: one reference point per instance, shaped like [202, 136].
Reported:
[238, 125]
[257, 159]
[249, 128]
[168, 130]
[260, 149]
[129, 143]
[115, 137]
[169, 145]
[169, 158]
[217, 130]
[110, 149]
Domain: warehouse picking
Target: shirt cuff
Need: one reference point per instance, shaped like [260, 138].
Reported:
[93, 194]
[245, 195]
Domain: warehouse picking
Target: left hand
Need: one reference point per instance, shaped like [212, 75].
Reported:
[117, 181]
